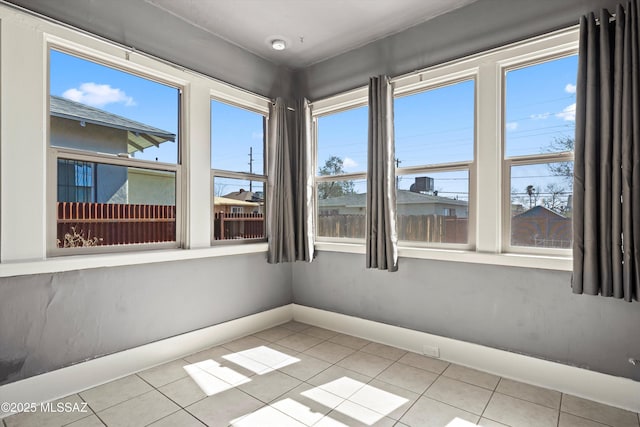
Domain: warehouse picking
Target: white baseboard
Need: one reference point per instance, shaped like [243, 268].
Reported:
[75, 378]
[615, 391]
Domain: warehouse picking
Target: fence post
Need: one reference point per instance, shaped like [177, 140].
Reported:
[222, 215]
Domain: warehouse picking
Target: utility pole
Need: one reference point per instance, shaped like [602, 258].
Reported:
[251, 167]
[398, 161]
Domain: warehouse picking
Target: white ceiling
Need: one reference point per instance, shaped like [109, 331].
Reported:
[314, 30]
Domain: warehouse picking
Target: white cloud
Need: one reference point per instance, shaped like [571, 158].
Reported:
[98, 95]
[569, 88]
[349, 163]
[512, 126]
[568, 114]
[257, 135]
[540, 116]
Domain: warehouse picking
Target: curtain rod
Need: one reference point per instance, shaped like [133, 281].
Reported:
[125, 47]
[288, 108]
[612, 17]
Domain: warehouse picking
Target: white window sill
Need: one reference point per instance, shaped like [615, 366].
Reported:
[510, 260]
[81, 262]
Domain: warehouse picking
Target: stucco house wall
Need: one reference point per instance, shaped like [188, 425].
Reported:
[149, 187]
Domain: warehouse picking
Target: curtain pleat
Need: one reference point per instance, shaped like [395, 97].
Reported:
[381, 234]
[303, 184]
[290, 227]
[606, 219]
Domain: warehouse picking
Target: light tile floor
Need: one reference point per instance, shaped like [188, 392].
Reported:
[301, 375]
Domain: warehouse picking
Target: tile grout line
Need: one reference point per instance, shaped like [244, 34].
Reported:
[115, 404]
[354, 351]
[532, 403]
[166, 416]
[194, 416]
[182, 408]
[448, 404]
[587, 419]
[93, 412]
[343, 399]
[493, 392]
[268, 404]
[444, 403]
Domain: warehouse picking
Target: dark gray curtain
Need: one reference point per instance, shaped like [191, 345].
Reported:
[303, 184]
[606, 214]
[381, 234]
[289, 190]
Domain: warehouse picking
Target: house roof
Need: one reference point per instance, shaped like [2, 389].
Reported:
[140, 135]
[225, 201]
[538, 211]
[403, 197]
[250, 196]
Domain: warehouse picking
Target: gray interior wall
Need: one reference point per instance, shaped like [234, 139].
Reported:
[148, 29]
[48, 321]
[52, 320]
[474, 28]
[527, 311]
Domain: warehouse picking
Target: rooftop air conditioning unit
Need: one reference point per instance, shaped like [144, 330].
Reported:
[423, 184]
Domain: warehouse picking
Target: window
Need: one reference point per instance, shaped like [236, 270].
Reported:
[76, 181]
[539, 133]
[341, 184]
[237, 172]
[434, 137]
[483, 151]
[114, 152]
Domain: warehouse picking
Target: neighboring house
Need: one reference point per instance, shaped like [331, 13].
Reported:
[541, 227]
[248, 196]
[255, 200]
[79, 126]
[407, 202]
[229, 205]
[229, 226]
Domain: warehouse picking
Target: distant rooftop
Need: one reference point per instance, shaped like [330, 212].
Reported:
[140, 135]
[225, 201]
[538, 211]
[248, 196]
[404, 197]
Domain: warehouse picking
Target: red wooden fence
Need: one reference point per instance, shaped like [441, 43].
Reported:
[116, 224]
[422, 228]
[228, 226]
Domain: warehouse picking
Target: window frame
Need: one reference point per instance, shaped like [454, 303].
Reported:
[263, 110]
[92, 188]
[438, 82]
[487, 180]
[53, 153]
[529, 159]
[338, 104]
[24, 249]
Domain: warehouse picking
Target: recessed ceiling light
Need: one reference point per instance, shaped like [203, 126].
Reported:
[278, 44]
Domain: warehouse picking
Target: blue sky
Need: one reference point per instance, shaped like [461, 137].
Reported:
[540, 107]
[430, 127]
[234, 133]
[437, 126]
[119, 93]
